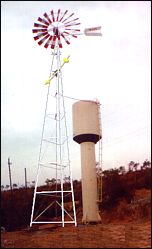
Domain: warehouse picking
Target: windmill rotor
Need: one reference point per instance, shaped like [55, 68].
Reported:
[60, 26]
[55, 27]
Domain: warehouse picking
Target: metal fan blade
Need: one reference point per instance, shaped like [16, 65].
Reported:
[73, 29]
[43, 39]
[40, 25]
[47, 17]
[58, 15]
[65, 39]
[40, 35]
[69, 34]
[38, 30]
[72, 24]
[59, 41]
[52, 14]
[72, 20]
[53, 42]
[68, 17]
[43, 21]
[48, 42]
[63, 15]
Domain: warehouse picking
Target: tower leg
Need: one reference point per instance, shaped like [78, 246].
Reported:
[89, 183]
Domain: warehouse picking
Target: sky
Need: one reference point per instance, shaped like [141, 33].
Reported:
[113, 68]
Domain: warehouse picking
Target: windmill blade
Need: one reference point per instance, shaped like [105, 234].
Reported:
[72, 24]
[59, 41]
[70, 34]
[73, 29]
[53, 42]
[40, 25]
[43, 39]
[65, 39]
[47, 17]
[63, 15]
[72, 20]
[68, 17]
[43, 21]
[38, 30]
[58, 15]
[52, 14]
[40, 35]
[48, 42]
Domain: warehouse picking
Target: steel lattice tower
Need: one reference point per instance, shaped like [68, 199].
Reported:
[54, 156]
[54, 144]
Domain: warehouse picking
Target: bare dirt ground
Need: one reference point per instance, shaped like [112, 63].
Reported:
[112, 235]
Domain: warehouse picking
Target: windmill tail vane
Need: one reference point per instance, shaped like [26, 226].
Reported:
[92, 31]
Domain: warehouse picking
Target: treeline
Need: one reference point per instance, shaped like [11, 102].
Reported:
[117, 183]
[120, 183]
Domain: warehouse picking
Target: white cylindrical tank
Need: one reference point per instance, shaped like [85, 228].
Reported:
[86, 121]
[86, 132]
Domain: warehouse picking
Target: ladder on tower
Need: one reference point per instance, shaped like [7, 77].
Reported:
[99, 163]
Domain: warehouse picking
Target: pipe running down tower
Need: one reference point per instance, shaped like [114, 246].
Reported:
[86, 132]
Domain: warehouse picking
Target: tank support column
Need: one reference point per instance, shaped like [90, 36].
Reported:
[89, 183]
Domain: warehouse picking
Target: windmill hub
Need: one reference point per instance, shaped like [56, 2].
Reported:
[56, 29]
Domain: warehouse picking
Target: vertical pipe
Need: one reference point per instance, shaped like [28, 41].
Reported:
[11, 225]
[68, 151]
[10, 177]
[25, 178]
[60, 152]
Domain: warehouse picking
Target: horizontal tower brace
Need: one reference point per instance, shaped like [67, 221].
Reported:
[58, 191]
[53, 222]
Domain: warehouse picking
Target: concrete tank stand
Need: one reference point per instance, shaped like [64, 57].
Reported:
[86, 132]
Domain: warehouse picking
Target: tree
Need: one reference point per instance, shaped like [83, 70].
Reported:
[47, 181]
[50, 182]
[146, 164]
[67, 179]
[14, 185]
[122, 170]
[135, 166]
[131, 166]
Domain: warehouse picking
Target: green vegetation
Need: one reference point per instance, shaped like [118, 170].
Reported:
[116, 184]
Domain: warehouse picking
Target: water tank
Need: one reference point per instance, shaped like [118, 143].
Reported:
[86, 122]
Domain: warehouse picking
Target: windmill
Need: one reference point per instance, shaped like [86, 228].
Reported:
[52, 31]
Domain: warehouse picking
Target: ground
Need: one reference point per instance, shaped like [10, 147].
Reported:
[127, 226]
[112, 235]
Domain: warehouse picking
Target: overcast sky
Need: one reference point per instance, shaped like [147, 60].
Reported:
[114, 68]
